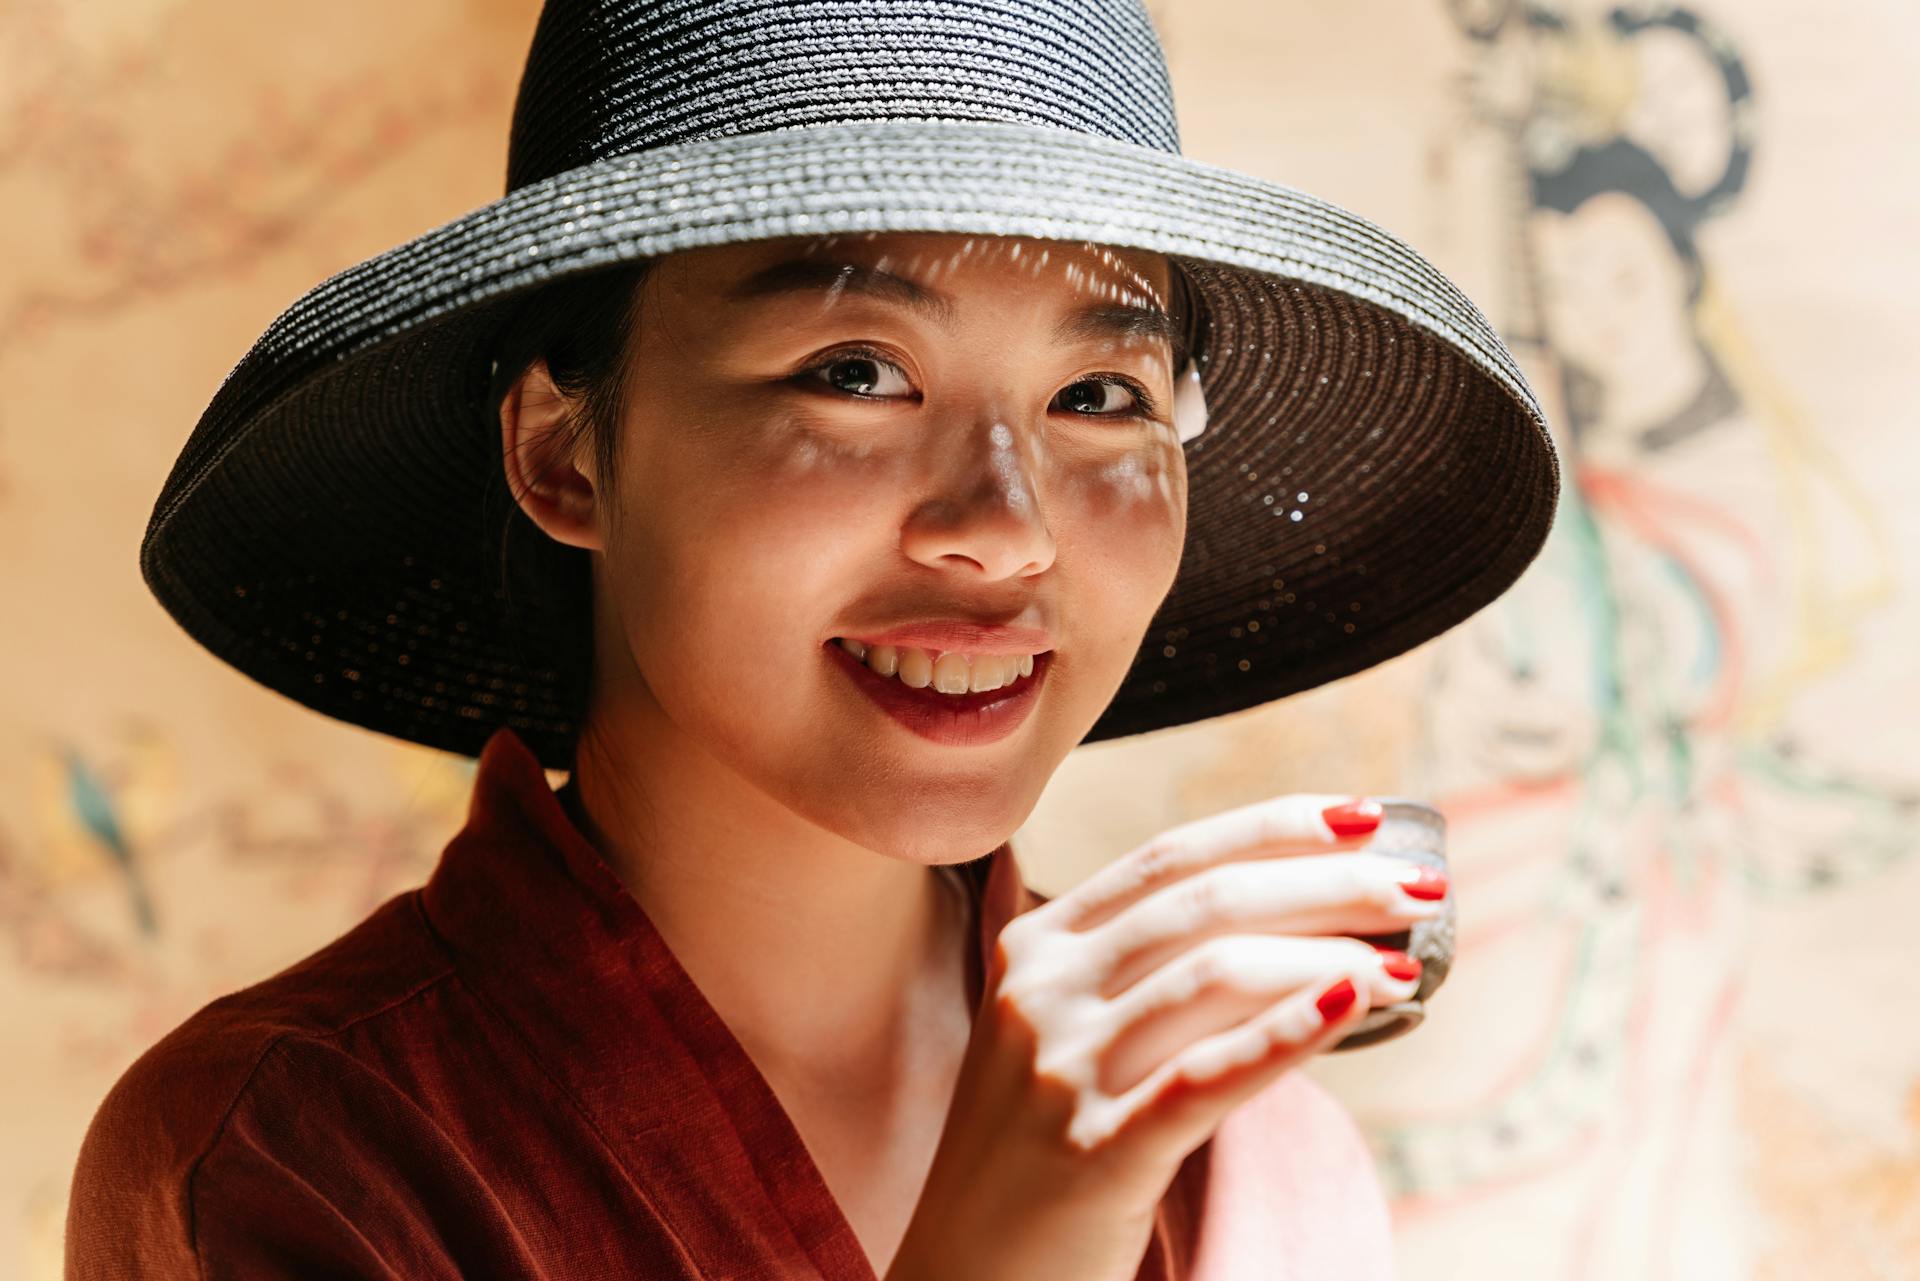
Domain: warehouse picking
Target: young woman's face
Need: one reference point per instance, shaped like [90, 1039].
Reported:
[834, 437]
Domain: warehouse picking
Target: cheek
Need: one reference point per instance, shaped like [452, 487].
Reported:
[1145, 484]
[1130, 510]
[746, 557]
[1122, 525]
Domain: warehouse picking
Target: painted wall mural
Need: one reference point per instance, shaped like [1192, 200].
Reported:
[1644, 727]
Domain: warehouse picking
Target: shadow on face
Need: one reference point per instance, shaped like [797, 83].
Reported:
[834, 436]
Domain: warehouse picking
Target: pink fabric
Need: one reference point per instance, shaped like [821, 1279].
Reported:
[506, 1074]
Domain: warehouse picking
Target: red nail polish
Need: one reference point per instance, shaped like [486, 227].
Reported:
[1355, 818]
[1430, 884]
[1337, 1000]
[1399, 964]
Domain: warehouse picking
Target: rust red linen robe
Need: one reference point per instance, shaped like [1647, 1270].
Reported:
[505, 1074]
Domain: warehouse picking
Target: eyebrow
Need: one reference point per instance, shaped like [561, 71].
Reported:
[1124, 321]
[819, 275]
[816, 275]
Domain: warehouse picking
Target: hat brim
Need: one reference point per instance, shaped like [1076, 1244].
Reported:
[338, 527]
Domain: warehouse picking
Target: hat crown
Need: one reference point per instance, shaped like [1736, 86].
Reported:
[609, 77]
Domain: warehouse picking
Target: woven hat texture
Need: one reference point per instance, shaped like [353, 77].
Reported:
[338, 526]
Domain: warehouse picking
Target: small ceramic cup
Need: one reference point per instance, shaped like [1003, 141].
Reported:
[1417, 832]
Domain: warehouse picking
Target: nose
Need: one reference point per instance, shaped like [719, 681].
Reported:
[988, 513]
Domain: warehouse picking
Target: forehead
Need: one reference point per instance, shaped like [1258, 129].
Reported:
[939, 262]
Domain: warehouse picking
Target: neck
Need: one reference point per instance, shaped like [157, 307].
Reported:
[826, 960]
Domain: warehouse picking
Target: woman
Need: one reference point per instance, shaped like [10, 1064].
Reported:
[817, 509]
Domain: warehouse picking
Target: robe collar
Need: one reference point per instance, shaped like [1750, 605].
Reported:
[549, 937]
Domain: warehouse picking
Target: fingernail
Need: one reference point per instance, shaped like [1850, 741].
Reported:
[1428, 884]
[1355, 818]
[1399, 964]
[1336, 1000]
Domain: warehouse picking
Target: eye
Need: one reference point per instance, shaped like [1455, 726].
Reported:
[860, 372]
[1093, 394]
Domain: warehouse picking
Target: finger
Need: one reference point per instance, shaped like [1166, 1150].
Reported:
[1296, 823]
[1358, 893]
[1219, 984]
[1183, 1099]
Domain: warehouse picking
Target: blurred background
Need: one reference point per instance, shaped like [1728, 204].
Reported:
[1680, 760]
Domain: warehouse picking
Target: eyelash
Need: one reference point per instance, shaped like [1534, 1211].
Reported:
[1144, 405]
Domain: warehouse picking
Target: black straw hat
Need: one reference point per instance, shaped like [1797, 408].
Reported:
[338, 527]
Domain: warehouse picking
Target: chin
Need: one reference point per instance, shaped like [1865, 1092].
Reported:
[946, 832]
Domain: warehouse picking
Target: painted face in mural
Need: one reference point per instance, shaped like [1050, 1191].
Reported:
[1616, 295]
[814, 450]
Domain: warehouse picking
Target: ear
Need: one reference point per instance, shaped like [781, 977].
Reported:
[556, 491]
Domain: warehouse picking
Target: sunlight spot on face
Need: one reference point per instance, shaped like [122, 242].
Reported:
[806, 451]
[1006, 465]
[833, 293]
[1127, 478]
[1143, 477]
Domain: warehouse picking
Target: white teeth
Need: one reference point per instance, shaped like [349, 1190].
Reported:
[950, 672]
[916, 668]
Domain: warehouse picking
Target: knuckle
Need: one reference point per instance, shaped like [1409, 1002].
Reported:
[1286, 1028]
[1013, 938]
[1205, 968]
[1223, 960]
[1027, 939]
[1302, 1024]
[1200, 899]
[1158, 859]
[1051, 1066]
[1066, 1064]
[1014, 1002]
[1044, 992]
[1001, 963]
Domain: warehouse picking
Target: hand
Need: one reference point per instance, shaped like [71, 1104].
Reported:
[1122, 1021]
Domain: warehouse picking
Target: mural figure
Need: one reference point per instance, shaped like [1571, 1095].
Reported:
[1648, 702]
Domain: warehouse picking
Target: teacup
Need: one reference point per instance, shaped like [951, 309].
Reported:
[1415, 831]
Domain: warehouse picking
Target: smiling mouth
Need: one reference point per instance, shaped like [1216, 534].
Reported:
[974, 718]
[950, 674]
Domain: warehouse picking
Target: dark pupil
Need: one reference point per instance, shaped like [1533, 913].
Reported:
[863, 385]
[1084, 395]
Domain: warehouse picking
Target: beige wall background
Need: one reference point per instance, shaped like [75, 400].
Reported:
[1680, 761]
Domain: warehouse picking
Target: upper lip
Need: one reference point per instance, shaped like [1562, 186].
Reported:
[959, 635]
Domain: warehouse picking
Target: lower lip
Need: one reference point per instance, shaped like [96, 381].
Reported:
[959, 720]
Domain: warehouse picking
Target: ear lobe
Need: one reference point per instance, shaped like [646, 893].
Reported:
[537, 450]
